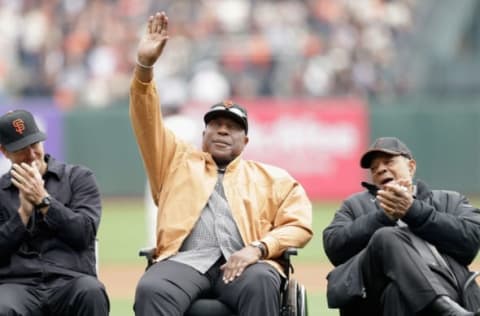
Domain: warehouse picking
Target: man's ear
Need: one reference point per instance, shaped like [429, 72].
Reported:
[412, 167]
[3, 150]
[246, 140]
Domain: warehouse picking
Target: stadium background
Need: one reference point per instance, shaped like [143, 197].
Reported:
[320, 78]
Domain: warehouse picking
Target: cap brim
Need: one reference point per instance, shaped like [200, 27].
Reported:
[367, 157]
[224, 113]
[26, 141]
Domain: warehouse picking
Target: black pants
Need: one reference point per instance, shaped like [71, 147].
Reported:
[168, 288]
[398, 279]
[58, 296]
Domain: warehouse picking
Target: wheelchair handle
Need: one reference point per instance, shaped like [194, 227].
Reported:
[148, 254]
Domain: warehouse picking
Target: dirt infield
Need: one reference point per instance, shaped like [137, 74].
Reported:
[120, 280]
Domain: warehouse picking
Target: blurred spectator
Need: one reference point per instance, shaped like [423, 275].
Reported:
[80, 52]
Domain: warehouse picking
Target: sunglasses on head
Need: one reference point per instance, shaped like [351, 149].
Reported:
[234, 109]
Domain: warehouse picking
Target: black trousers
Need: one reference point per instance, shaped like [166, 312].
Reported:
[55, 296]
[398, 279]
[168, 288]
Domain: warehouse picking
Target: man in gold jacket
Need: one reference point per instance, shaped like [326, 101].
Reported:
[222, 221]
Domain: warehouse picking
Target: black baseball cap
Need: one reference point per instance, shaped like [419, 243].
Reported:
[18, 130]
[228, 109]
[389, 145]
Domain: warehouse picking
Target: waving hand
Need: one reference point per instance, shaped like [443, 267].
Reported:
[152, 44]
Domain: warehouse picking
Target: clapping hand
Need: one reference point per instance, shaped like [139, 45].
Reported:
[30, 184]
[396, 198]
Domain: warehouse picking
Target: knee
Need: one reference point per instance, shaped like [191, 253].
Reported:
[15, 300]
[15, 306]
[144, 288]
[384, 238]
[7, 310]
[90, 289]
[259, 293]
[262, 280]
[148, 288]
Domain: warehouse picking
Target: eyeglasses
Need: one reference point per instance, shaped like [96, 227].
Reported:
[235, 110]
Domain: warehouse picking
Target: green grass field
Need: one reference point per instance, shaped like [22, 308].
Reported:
[122, 233]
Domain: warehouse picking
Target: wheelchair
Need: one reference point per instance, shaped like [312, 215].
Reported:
[293, 296]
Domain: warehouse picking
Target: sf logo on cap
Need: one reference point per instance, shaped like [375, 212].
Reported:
[19, 126]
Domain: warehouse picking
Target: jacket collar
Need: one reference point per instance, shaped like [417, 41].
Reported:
[371, 188]
[423, 191]
[233, 165]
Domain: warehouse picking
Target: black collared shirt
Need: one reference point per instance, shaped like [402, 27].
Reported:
[61, 242]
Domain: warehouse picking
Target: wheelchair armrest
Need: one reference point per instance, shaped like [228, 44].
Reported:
[286, 262]
[148, 254]
[291, 251]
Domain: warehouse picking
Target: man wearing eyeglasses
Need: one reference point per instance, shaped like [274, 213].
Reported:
[222, 221]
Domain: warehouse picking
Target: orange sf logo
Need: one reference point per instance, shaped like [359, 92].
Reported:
[19, 125]
[228, 103]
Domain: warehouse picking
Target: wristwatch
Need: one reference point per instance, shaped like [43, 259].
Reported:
[46, 201]
[260, 245]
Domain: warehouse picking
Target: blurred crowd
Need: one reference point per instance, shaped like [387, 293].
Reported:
[82, 52]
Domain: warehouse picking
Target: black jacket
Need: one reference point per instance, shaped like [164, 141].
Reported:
[443, 218]
[63, 241]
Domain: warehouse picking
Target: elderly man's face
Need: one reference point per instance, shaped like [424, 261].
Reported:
[29, 154]
[386, 168]
[224, 139]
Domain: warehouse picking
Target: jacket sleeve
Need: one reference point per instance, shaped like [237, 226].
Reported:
[450, 223]
[76, 222]
[351, 228]
[156, 143]
[292, 221]
[12, 233]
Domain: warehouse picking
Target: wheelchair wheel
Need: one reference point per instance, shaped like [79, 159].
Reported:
[302, 306]
[297, 299]
[293, 297]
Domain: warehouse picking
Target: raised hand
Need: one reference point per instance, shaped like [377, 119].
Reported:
[154, 40]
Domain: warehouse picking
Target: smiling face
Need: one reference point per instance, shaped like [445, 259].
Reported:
[224, 139]
[385, 168]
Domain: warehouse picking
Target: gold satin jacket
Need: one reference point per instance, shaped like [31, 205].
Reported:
[266, 202]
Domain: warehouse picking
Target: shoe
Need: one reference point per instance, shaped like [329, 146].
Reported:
[445, 306]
